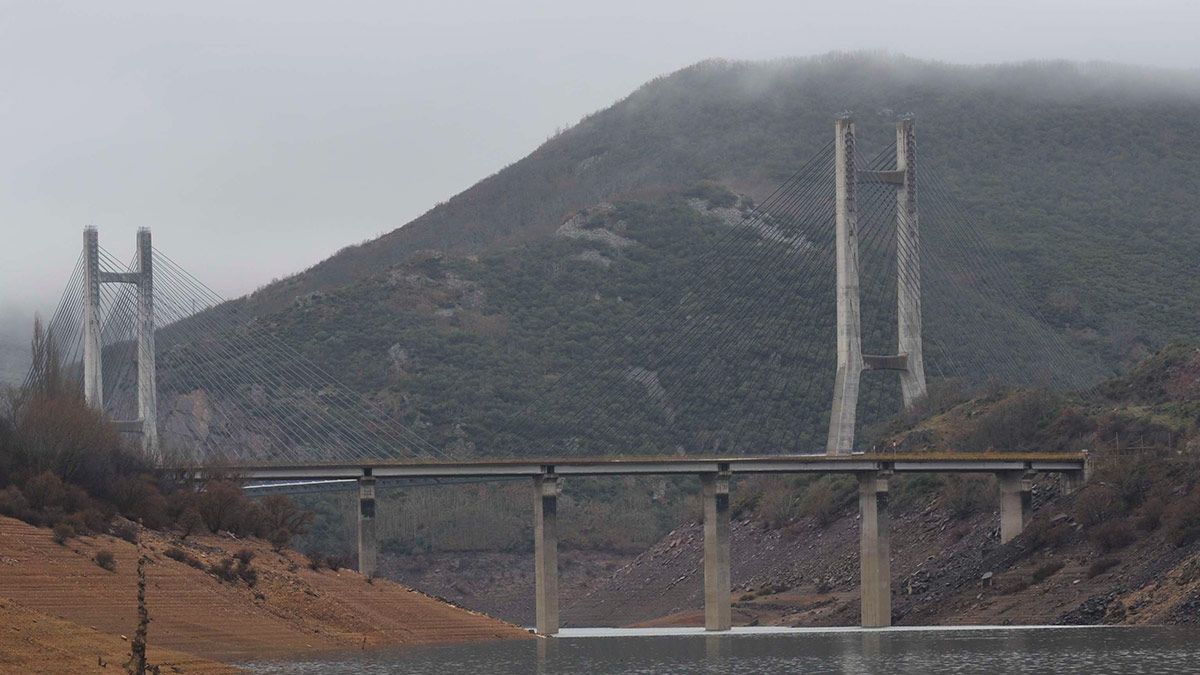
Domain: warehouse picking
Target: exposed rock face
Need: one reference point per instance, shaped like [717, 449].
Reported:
[576, 228]
[734, 217]
[654, 388]
[593, 256]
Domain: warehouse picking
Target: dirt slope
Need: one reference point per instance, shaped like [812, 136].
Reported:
[291, 609]
[33, 642]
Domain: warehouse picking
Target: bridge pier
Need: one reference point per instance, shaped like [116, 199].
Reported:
[875, 550]
[545, 552]
[717, 613]
[367, 547]
[1016, 501]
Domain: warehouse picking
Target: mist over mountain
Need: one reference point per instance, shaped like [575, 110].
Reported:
[1081, 177]
[1106, 135]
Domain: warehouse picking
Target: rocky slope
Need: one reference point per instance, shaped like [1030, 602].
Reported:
[807, 575]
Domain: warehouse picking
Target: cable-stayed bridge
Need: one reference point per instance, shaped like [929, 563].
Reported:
[839, 294]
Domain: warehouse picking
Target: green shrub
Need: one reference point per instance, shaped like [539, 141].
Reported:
[231, 569]
[14, 504]
[179, 555]
[224, 570]
[189, 522]
[1015, 422]
[1096, 504]
[824, 500]
[1046, 571]
[62, 532]
[1102, 565]
[964, 496]
[105, 559]
[1112, 535]
[1042, 532]
[1150, 515]
[713, 193]
[1182, 520]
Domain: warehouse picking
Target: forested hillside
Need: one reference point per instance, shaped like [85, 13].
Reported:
[1079, 182]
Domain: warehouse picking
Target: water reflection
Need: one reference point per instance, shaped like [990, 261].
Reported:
[1094, 651]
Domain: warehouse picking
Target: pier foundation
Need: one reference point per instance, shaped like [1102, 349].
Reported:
[1016, 501]
[875, 550]
[367, 547]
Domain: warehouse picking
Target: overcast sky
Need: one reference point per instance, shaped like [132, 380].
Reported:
[257, 137]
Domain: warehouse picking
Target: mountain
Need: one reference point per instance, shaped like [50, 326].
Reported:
[467, 322]
[1037, 149]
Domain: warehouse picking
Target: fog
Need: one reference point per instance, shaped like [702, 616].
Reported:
[258, 138]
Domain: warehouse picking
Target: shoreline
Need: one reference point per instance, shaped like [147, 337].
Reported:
[754, 631]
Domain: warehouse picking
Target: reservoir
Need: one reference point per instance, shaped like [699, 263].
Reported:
[1026, 649]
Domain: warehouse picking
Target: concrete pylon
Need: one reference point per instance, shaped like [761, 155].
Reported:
[147, 388]
[1016, 503]
[368, 551]
[545, 552]
[717, 611]
[908, 267]
[849, 341]
[875, 550]
[93, 382]
[909, 358]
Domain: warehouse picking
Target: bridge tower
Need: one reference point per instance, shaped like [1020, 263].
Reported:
[851, 362]
[93, 383]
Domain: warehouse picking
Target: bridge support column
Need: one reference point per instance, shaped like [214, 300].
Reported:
[367, 547]
[1016, 500]
[875, 550]
[717, 614]
[147, 390]
[545, 552]
[93, 384]
[849, 343]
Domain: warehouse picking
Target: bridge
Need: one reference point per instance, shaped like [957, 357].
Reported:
[261, 411]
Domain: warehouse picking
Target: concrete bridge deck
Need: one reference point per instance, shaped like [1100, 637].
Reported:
[1013, 470]
[899, 462]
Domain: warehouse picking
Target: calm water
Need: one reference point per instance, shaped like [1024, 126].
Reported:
[976, 650]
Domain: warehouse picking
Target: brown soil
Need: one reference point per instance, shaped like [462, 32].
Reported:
[290, 610]
[32, 642]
